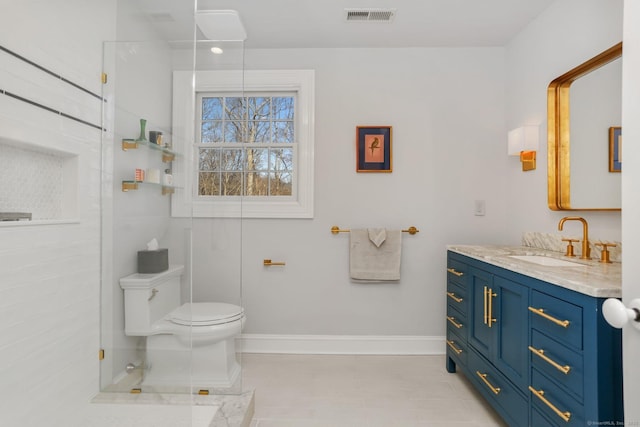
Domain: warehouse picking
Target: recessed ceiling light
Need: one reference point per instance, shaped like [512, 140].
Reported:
[217, 50]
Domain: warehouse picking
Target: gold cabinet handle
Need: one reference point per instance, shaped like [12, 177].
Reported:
[454, 297]
[540, 312]
[566, 416]
[453, 271]
[268, 262]
[453, 346]
[540, 353]
[484, 314]
[490, 318]
[453, 322]
[483, 377]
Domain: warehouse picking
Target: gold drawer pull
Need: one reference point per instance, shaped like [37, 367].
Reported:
[453, 271]
[540, 312]
[268, 262]
[483, 377]
[540, 353]
[453, 347]
[453, 322]
[454, 297]
[566, 416]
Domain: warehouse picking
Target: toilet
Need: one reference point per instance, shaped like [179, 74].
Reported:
[191, 344]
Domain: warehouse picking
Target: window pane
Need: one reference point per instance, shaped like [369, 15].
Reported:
[208, 184]
[258, 108]
[233, 132]
[281, 159]
[283, 108]
[211, 108]
[283, 132]
[234, 109]
[259, 131]
[257, 184]
[209, 159]
[211, 132]
[281, 184]
[231, 183]
[232, 160]
[257, 159]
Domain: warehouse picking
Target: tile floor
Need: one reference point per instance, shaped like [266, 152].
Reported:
[361, 391]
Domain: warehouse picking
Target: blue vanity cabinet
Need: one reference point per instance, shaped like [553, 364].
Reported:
[541, 354]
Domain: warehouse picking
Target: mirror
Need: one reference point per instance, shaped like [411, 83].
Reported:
[584, 110]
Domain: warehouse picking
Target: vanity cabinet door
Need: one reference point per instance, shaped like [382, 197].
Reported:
[510, 351]
[481, 325]
[499, 324]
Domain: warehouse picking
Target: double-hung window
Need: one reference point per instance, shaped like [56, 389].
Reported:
[250, 150]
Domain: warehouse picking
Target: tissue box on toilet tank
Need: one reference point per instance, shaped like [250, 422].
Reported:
[153, 261]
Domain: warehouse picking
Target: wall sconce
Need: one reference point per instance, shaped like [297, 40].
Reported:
[523, 142]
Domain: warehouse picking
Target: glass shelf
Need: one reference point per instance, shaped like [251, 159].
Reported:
[133, 144]
[135, 185]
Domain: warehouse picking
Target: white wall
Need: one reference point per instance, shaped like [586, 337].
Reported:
[50, 274]
[447, 110]
[565, 35]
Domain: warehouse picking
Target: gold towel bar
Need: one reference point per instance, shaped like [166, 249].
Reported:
[411, 230]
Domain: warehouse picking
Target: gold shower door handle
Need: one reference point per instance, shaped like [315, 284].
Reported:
[268, 263]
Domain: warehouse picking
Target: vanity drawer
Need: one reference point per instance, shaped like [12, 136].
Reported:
[457, 320]
[457, 297]
[497, 389]
[457, 347]
[557, 318]
[457, 272]
[555, 403]
[558, 363]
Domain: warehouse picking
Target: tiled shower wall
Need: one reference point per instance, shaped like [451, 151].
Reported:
[50, 273]
[32, 181]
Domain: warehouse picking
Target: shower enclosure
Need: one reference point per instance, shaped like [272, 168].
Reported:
[157, 168]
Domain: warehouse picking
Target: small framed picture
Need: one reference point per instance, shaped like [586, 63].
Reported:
[615, 149]
[373, 149]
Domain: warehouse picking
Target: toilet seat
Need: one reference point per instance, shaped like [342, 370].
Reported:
[205, 314]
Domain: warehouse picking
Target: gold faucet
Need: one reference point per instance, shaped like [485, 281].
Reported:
[586, 250]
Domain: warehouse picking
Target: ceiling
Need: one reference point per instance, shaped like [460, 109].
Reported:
[321, 23]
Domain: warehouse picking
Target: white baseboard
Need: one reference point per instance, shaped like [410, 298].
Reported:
[341, 344]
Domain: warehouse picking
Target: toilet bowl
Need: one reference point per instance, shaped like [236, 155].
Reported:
[191, 344]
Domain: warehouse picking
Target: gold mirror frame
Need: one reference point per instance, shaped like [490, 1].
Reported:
[558, 125]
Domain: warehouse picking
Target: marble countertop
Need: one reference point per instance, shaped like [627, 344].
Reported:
[594, 278]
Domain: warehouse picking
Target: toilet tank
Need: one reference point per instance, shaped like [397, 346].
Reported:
[149, 297]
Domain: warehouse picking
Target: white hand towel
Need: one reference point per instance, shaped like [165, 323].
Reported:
[377, 235]
[370, 263]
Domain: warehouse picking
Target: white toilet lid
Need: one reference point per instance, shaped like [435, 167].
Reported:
[205, 313]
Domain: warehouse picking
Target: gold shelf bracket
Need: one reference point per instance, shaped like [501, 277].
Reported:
[129, 144]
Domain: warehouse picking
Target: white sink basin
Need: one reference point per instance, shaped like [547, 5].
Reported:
[546, 261]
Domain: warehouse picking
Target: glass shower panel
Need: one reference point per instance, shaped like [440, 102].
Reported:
[146, 252]
[151, 150]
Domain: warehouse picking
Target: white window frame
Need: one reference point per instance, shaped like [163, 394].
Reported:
[185, 202]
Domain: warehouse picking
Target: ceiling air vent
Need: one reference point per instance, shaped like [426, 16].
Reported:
[370, 15]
